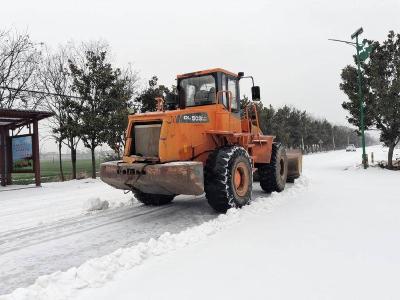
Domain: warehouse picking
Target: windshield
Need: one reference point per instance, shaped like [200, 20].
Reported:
[198, 90]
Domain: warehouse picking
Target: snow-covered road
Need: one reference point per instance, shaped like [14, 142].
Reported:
[334, 234]
[49, 246]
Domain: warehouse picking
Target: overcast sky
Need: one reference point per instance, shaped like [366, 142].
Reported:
[283, 44]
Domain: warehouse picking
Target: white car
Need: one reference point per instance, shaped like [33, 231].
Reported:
[351, 148]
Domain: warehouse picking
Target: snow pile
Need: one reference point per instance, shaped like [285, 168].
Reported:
[96, 272]
[94, 203]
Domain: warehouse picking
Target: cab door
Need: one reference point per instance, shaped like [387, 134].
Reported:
[231, 84]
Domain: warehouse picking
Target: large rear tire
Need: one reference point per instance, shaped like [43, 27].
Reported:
[273, 176]
[153, 199]
[228, 178]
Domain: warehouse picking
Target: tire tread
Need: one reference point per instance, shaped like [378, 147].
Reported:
[268, 172]
[217, 179]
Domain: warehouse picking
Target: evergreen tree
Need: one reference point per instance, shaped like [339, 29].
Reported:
[94, 81]
[121, 105]
[381, 89]
[146, 98]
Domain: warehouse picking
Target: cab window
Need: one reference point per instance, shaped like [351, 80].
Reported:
[198, 90]
[229, 84]
[224, 88]
[233, 89]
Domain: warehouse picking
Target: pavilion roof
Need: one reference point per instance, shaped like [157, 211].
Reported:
[13, 118]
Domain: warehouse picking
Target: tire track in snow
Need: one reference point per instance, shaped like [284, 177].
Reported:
[33, 236]
[26, 254]
[88, 217]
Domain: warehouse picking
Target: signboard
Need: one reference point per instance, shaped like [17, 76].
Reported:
[22, 155]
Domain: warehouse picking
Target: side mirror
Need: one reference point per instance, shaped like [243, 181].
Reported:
[255, 93]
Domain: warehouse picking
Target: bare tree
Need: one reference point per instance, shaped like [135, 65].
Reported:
[19, 60]
[56, 81]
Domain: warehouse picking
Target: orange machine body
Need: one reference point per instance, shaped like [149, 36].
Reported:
[192, 133]
[166, 150]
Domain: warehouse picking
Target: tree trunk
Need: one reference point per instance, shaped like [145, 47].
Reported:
[60, 162]
[390, 156]
[73, 161]
[93, 163]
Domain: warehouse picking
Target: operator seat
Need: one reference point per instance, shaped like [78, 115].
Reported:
[204, 97]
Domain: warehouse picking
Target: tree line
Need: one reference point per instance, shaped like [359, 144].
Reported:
[298, 129]
[91, 98]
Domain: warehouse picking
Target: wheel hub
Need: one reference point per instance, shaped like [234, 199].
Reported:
[241, 179]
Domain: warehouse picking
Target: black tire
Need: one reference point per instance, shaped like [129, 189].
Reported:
[256, 176]
[153, 199]
[228, 178]
[273, 176]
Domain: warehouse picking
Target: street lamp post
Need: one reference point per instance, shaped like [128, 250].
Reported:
[360, 56]
[361, 98]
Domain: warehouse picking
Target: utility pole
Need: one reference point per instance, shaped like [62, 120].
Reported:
[361, 97]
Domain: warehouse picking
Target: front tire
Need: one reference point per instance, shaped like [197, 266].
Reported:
[273, 176]
[153, 199]
[228, 178]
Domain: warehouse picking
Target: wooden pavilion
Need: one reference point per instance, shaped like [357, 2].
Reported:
[19, 153]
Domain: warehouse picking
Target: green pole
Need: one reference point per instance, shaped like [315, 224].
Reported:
[360, 95]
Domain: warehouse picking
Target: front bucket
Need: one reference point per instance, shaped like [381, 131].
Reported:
[295, 164]
[172, 178]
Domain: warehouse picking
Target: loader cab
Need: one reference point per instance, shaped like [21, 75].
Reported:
[215, 86]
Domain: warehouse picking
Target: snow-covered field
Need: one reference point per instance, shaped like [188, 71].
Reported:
[334, 234]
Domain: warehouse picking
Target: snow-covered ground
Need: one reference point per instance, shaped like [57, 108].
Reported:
[334, 234]
[55, 201]
[57, 227]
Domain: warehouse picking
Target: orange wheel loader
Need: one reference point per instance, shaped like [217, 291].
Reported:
[200, 141]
